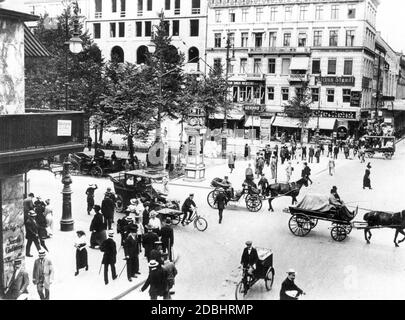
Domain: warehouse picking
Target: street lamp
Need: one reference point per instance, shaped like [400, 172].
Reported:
[229, 45]
[73, 44]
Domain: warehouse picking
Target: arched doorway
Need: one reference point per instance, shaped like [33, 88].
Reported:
[141, 54]
[193, 55]
[117, 54]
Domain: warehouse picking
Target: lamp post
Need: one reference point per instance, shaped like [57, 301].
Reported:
[229, 45]
[319, 112]
[73, 44]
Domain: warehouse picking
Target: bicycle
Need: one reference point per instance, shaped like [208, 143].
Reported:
[199, 222]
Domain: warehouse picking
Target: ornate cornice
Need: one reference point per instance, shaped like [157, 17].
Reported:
[241, 3]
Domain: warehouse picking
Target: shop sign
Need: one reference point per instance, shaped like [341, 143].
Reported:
[350, 115]
[252, 107]
[355, 98]
[64, 128]
[336, 81]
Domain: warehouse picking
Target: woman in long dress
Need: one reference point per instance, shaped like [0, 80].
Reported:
[98, 228]
[81, 252]
[366, 178]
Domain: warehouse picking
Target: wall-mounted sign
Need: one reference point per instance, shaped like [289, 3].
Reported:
[336, 81]
[64, 128]
[355, 98]
[253, 107]
[350, 115]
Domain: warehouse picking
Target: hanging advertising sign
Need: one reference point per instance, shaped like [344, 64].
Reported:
[355, 98]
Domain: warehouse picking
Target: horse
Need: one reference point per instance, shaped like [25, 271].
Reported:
[377, 218]
[285, 189]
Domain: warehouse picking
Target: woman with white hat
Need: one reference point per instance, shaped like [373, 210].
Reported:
[154, 222]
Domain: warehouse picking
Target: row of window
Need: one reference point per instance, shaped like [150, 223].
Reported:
[303, 41]
[195, 6]
[248, 93]
[144, 28]
[274, 14]
[285, 66]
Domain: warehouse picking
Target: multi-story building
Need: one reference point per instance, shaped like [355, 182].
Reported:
[279, 45]
[123, 28]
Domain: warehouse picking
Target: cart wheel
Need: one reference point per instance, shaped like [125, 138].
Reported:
[119, 204]
[201, 224]
[338, 233]
[96, 171]
[211, 198]
[253, 203]
[240, 291]
[370, 154]
[313, 222]
[299, 225]
[388, 155]
[348, 228]
[175, 219]
[269, 278]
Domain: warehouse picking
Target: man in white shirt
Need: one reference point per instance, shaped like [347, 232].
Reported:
[154, 222]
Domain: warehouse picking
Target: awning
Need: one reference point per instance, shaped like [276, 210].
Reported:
[32, 46]
[399, 105]
[324, 123]
[252, 121]
[299, 63]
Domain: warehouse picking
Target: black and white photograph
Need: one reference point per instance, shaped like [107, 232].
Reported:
[202, 150]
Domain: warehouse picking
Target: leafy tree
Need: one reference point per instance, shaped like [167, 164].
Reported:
[126, 106]
[46, 78]
[299, 106]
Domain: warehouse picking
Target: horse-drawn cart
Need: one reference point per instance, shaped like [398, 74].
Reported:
[384, 145]
[311, 209]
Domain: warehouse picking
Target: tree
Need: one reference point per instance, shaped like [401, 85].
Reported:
[126, 106]
[299, 106]
[46, 78]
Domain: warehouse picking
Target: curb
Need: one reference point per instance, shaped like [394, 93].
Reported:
[123, 294]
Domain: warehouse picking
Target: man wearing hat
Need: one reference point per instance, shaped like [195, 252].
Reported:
[145, 214]
[156, 252]
[107, 209]
[131, 253]
[28, 204]
[148, 241]
[221, 201]
[249, 257]
[167, 237]
[122, 225]
[157, 280]
[306, 172]
[31, 233]
[263, 185]
[132, 205]
[171, 272]
[42, 275]
[154, 222]
[18, 283]
[188, 208]
[289, 290]
[111, 195]
[90, 197]
[110, 256]
[140, 231]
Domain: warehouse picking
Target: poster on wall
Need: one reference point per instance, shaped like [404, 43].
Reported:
[13, 224]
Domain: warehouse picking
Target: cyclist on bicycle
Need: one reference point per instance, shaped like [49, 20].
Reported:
[249, 258]
[188, 208]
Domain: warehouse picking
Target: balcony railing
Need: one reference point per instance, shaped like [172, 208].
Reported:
[277, 50]
[98, 15]
[177, 11]
[122, 14]
[140, 13]
[33, 135]
[195, 11]
[254, 76]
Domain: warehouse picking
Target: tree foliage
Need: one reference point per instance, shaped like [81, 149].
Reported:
[46, 77]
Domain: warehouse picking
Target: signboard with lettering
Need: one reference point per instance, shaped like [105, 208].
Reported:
[336, 81]
[348, 115]
[355, 98]
[252, 107]
[64, 128]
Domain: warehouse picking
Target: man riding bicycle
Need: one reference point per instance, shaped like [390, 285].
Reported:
[188, 208]
[249, 258]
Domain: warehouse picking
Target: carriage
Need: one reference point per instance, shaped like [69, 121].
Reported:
[82, 163]
[139, 183]
[311, 209]
[264, 270]
[384, 145]
[251, 195]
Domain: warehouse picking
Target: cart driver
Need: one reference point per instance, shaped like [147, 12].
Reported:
[249, 258]
[188, 208]
[342, 213]
[228, 185]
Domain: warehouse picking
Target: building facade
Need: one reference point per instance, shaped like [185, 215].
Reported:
[279, 45]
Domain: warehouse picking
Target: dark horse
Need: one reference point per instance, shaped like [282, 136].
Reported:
[384, 219]
[285, 189]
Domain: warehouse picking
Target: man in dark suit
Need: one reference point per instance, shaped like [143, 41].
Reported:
[148, 241]
[107, 209]
[221, 201]
[90, 197]
[157, 252]
[110, 256]
[157, 280]
[167, 236]
[31, 233]
[28, 204]
[18, 283]
[131, 253]
[249, 257]
[289, 290]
